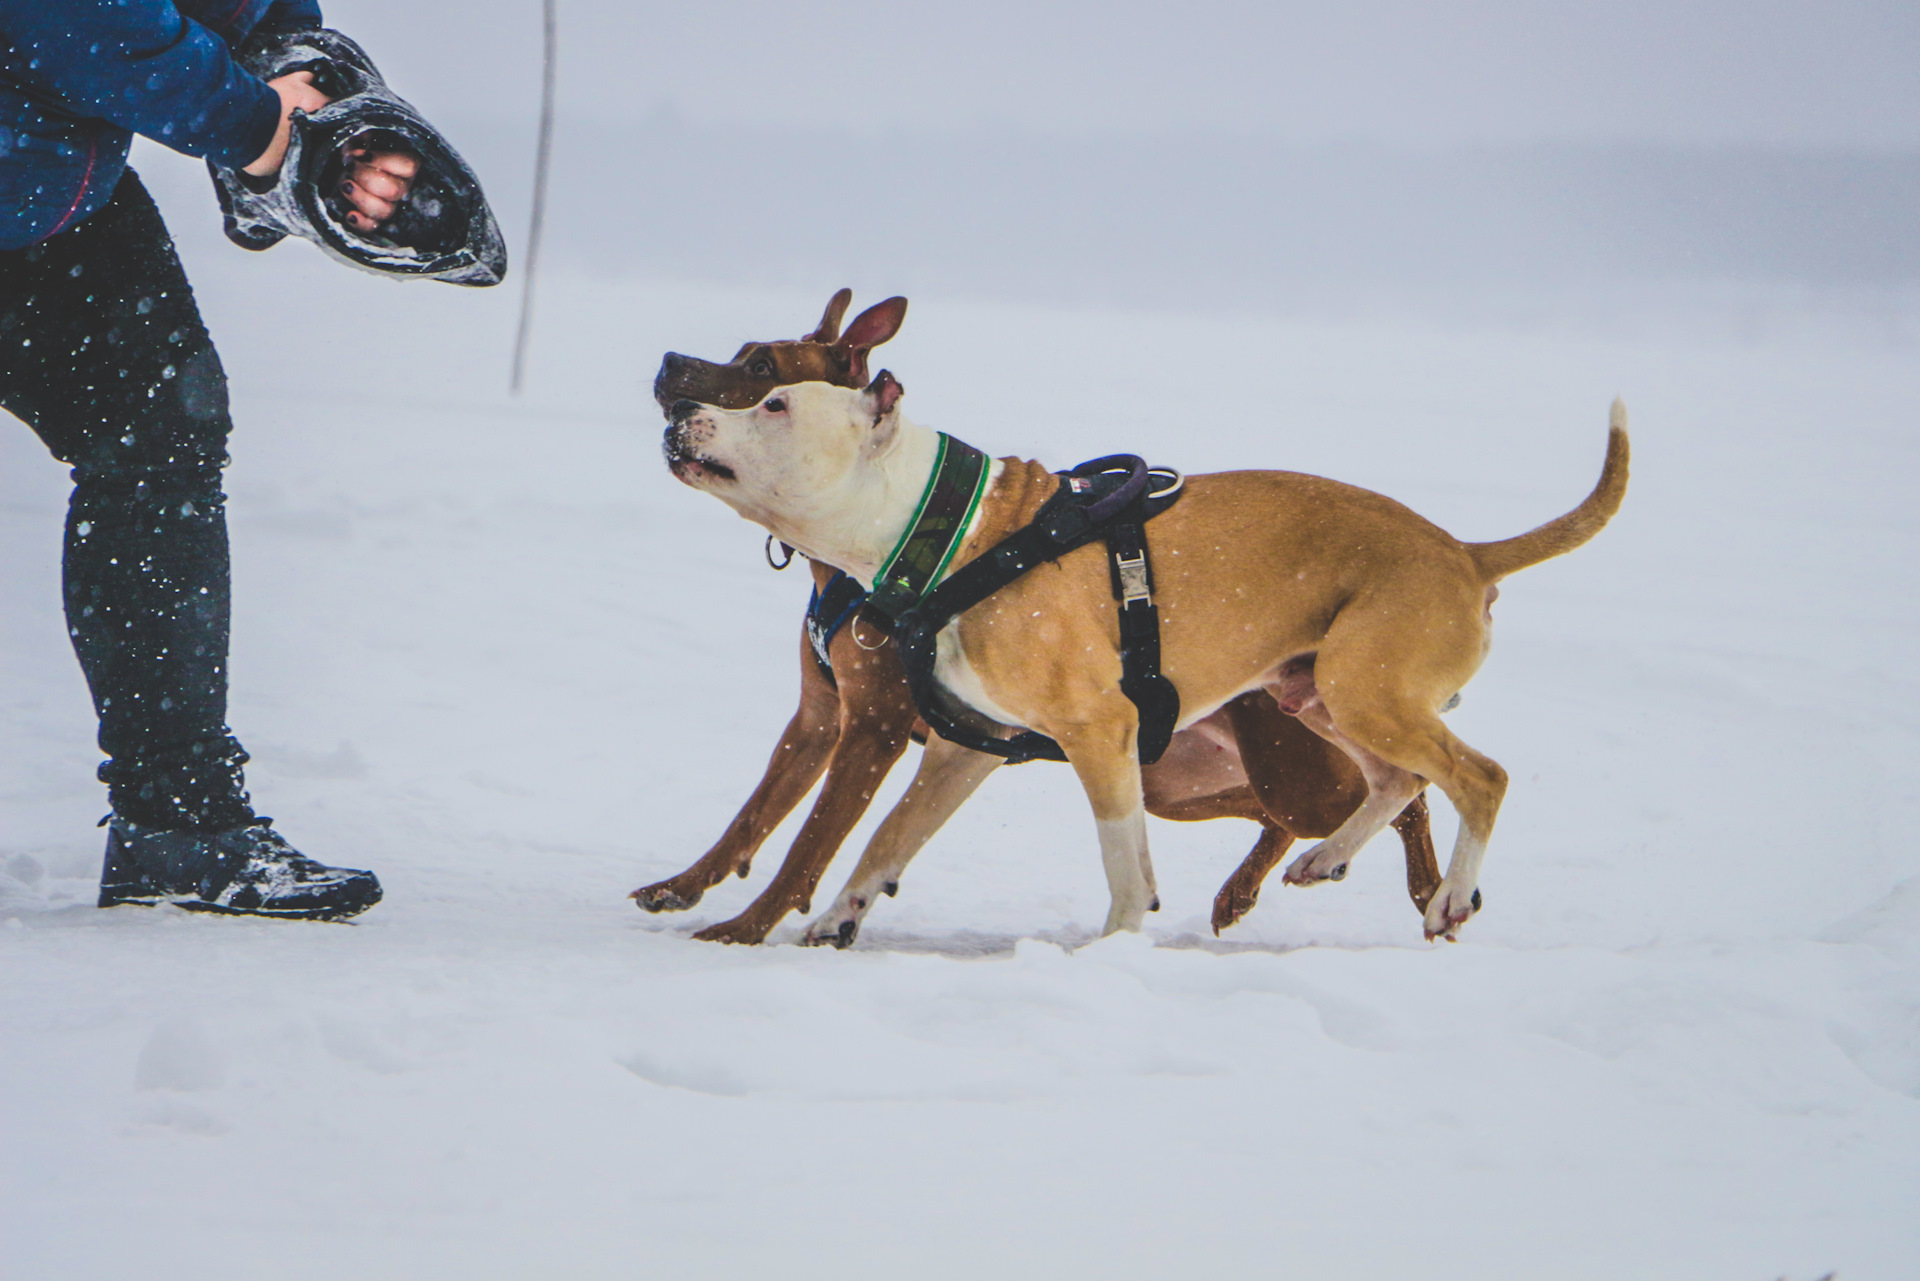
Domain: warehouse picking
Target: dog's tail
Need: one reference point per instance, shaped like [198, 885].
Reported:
[1556, 537]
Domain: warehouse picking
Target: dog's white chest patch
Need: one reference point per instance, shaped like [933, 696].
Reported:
[952, 670]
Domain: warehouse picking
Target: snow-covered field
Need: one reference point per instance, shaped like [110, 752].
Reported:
[490, 649]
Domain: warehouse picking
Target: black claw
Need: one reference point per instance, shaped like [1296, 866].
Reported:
[890, 889]
[1155, 905]
[1476, 900]
[1338, 874]
[843, 937]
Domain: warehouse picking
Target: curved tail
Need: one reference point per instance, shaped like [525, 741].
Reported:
[1497, 560]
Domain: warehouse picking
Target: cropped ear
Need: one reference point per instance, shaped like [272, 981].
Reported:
[883, 396]
[869, 329]
[829, 329]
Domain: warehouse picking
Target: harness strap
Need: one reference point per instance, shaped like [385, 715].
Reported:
[1088, 506]
[1140, 676]
[939, 524]
[828, 611]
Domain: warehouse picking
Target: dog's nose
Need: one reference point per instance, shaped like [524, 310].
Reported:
[663, 382]
[683, 410]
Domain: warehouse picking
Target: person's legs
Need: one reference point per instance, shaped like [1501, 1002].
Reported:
[103, 354]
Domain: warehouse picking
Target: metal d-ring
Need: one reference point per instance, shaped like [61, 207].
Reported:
[1179, 481]
[783, 547]
[884, 637]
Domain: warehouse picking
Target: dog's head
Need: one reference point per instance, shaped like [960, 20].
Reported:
[791, 460]
[825, 355]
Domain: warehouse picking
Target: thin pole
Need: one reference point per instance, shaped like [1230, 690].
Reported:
[543, 154]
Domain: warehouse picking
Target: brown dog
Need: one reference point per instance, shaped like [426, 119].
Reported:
[1340, 602]
[825, 355]
[855, 718]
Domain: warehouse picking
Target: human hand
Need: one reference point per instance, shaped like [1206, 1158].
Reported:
[375, 182]
[297, 93]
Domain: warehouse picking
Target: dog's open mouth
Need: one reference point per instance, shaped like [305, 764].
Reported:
[686, 463]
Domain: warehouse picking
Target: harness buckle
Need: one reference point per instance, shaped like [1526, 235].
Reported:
[1133, 579]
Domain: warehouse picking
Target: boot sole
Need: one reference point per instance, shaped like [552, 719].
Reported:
[218, 909]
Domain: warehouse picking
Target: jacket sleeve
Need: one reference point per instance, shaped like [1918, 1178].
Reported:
[142, 65]
[292, 15]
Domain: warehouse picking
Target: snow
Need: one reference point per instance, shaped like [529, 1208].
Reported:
[490, 649]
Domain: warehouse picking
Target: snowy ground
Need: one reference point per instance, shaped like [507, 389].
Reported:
[490, 649]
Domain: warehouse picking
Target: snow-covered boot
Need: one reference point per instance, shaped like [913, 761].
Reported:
[443, 230]
[247, 870]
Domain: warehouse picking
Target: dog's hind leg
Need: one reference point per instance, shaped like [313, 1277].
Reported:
[795, 767]
[1310, 786]
[1415, 827]
[948, 775]
[1389, 790]
[1383, 690]
[1242, 889]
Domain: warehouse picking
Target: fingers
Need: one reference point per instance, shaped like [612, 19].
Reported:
[368, 205]
[382, 184]
[376, 182]
[398, 163]
[297, 92]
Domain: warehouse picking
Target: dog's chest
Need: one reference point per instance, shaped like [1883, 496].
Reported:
[958, 677]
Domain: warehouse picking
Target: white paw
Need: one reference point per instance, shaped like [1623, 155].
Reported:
[1126, 916]
[1318, 864]
[839, 925]
[1451, 906]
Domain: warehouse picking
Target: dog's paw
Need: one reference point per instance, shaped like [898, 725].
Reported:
[1449, 910]
[1316, 865]
[1126, 918]
[840, 934]
[839, 925]
[666, 896]
[1235, 899]
[741, 929]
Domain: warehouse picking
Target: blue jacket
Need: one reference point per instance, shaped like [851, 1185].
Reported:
[78, 78]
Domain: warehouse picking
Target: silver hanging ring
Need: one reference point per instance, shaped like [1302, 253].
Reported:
[1175, 481]
[884, 637]
[778, 564]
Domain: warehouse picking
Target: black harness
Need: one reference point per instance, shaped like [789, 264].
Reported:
[1108, 499]
[828, 611]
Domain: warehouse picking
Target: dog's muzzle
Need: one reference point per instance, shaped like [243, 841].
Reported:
[682, 450]
[672, 383]
[691, 378]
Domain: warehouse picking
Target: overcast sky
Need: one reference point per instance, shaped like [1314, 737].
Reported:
[1829, 73]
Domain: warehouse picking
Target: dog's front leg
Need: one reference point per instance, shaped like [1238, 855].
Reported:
[1104, 755]
[948, 775]
[876, 718]
[795, 767]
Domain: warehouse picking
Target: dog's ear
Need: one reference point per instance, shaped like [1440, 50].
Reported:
[883, 396]
[829, 329]
[869, 329]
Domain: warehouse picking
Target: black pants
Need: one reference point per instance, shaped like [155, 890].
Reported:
[103, 354]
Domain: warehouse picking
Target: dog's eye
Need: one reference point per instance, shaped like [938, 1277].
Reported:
[761, 369]
[776, 406]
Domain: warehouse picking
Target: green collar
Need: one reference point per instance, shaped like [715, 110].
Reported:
[933, 535]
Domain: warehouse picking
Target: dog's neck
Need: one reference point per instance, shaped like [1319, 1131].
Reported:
[865, 523]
